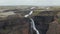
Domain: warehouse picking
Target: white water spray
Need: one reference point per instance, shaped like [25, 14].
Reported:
[32, 22]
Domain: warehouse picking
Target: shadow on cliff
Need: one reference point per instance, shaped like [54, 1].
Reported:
[42, 23]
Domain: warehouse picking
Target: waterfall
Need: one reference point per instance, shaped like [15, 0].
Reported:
[33, 26]
[32, 21]
[28, 14]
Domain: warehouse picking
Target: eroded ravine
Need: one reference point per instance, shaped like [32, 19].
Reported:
[20, 25]
[32, 22]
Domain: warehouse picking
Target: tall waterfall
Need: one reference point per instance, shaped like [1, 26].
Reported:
[32, 21]
[33, 26]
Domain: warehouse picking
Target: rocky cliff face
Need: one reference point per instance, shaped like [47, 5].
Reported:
[42, 23]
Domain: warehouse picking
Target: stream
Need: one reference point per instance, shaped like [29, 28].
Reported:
[32, 22]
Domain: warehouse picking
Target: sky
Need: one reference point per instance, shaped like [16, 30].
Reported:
[30, 2]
